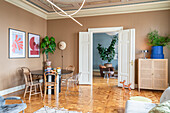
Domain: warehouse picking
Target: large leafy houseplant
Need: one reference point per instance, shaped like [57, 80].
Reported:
[48, 45]
[107, 54]
[156, 40]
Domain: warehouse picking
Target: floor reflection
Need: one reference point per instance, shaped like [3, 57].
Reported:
[101, 97]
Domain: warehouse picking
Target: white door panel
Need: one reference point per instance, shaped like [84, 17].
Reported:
[126, 59]
[84, 59]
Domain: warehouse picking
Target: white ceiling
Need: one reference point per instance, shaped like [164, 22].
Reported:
[91, 7]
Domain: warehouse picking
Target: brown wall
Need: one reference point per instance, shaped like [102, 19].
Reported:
[67, 30]
[17, 18]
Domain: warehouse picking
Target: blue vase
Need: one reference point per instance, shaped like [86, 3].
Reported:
[157, 52]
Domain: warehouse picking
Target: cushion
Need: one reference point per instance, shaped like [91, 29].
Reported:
[133, 106]
[2, 101]
[103, 66]
[161, 108]
[13, 108]
[140, 98]
[165, 95]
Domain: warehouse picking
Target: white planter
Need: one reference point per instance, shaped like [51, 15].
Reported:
[48, 63]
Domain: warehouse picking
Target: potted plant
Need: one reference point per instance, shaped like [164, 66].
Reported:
[107, 54]
[49, 46]
[157, 42]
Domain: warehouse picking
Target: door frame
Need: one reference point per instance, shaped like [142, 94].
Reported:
[98, 30]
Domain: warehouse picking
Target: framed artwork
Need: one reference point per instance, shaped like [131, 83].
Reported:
[17, 41]
[33, 45]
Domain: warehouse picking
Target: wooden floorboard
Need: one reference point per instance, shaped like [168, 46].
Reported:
[102, 97]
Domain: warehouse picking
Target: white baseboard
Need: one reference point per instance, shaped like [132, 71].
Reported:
[11, 90]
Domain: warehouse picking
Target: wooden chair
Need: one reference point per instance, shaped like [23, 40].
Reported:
[64, 77]
[53, 84]
[30, 83]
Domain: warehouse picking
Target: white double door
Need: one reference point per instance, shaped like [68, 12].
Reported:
[126, 57]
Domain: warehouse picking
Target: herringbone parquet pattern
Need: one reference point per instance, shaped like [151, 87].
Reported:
[102, 97]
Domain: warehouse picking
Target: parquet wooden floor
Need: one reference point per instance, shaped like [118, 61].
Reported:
[102, 97]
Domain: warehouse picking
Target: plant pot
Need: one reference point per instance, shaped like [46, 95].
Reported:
[108, 64]
[157, 52]
[48, 63]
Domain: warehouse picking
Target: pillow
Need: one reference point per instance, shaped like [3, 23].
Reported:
[161, 108]
[165, 95]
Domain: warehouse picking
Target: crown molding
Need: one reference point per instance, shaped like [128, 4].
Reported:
[120, 9]
[26, 6]
[153, 6]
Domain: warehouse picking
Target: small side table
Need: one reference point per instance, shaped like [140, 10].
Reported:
[107, 73]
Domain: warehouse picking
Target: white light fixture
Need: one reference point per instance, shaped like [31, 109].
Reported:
[62, 46]
[68, 15]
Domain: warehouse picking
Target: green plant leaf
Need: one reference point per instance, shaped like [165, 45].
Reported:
[48, 45]
[46, 38]
[108, 53]
[155, 40]
[52, 39]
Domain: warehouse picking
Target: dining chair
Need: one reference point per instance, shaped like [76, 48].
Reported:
[52, 84]
[29, 83]
[64, 77]
[34, 77]
[70, 67]
[72, 82]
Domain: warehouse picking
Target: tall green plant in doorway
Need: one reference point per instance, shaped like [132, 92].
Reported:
[107, 54]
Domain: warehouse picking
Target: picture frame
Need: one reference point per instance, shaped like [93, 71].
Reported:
[17, 44]
[33, 45]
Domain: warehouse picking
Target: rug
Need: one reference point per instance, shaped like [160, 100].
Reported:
[54, 110]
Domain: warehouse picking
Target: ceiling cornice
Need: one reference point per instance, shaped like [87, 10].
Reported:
[130, 8]
[28, 7]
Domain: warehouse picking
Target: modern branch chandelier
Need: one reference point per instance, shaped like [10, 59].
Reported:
[64, 13]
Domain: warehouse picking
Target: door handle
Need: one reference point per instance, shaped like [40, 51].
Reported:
[131, 62]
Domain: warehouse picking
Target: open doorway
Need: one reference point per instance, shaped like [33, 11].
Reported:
[105, 54]
[126, 54]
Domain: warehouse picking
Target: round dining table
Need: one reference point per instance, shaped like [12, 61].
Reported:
[63, 72]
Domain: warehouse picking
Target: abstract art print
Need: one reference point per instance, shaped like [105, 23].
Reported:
[33, 45]
[16, 43]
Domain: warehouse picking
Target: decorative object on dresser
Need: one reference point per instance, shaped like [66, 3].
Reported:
[49, 46]
[33, 45]
[144, 52]
[157, 42]
[152, 74]
[17, 41]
